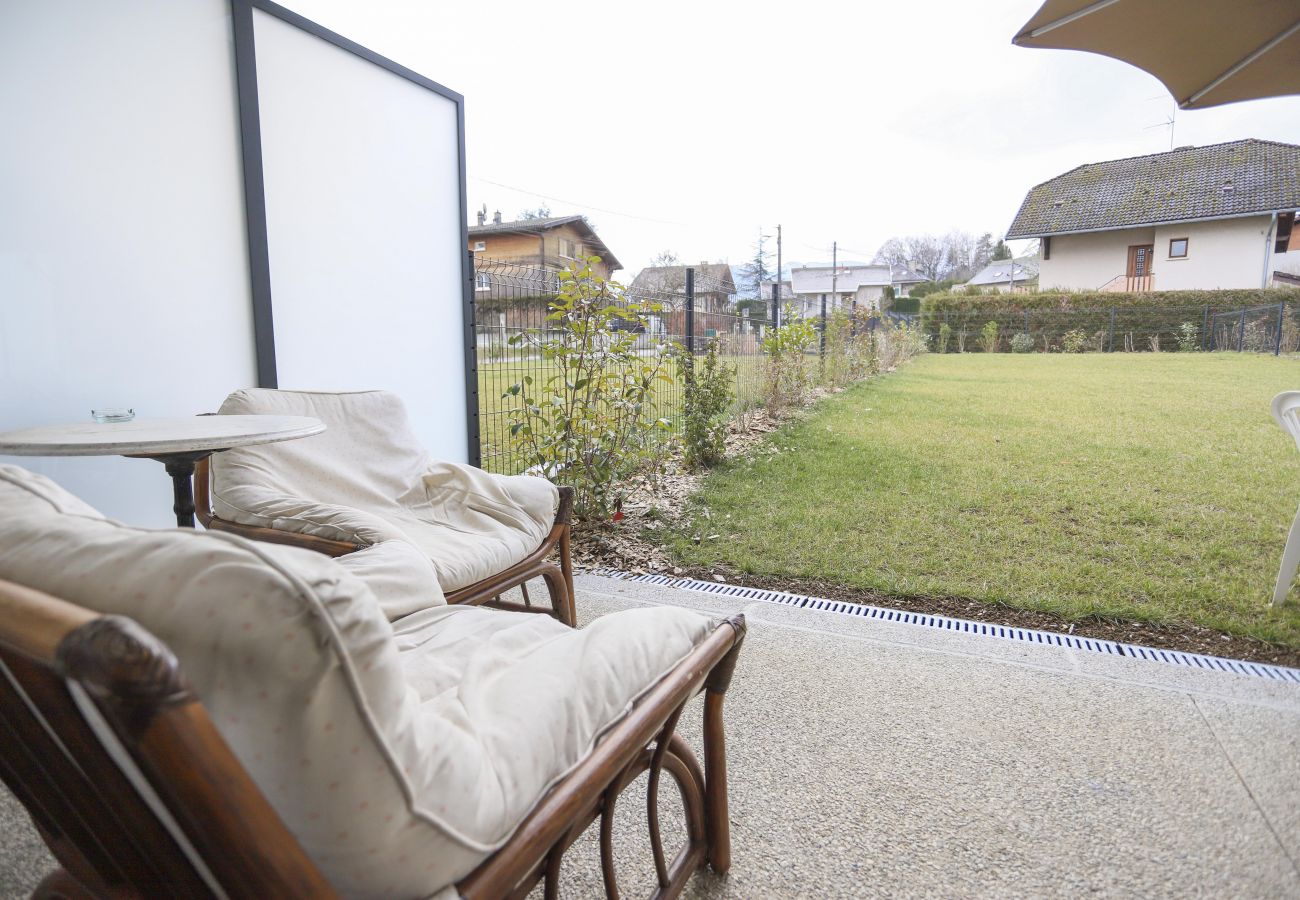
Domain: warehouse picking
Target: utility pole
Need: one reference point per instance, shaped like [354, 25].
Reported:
[835, 279]
[776, 288]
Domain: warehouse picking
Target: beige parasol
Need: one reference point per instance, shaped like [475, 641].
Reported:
[1207, 52]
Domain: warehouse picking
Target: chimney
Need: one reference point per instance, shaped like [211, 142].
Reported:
[496, 217]
[482, 216]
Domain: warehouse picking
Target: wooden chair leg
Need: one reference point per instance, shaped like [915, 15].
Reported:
[566, 567]
[561, 598]
[717, 821]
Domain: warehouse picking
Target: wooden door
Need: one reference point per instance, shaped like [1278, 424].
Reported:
[1139, 267]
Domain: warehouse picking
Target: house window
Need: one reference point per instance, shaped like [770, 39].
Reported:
[480, 246]
[1285, 229]
[482, 282]
[569, 249]
[1178, 248]
[1047, 248]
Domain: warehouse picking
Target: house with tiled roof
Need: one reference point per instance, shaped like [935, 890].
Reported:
[551, 243]
[1006, 276]
[1220, 216]
[847, 286]
[715, 286]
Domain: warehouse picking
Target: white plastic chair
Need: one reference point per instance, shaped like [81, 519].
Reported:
[1286, 411]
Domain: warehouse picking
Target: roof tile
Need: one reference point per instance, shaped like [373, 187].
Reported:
[1239, 178]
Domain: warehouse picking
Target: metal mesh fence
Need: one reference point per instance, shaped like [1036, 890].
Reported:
[1274, 328]
[513, 299]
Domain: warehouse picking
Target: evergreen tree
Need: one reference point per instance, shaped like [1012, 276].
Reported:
[757, 270]
[983, 251]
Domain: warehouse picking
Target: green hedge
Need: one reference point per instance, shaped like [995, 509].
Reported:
[1091, 300]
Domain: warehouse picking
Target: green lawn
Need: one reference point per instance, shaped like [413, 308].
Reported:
[1151, 487]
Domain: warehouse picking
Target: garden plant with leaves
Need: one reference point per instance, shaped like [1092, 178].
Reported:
[787, 372]
[709, 390]
[989, 337]
[592, 422]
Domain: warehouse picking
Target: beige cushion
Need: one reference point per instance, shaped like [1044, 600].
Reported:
[366, 479]
[400, 754]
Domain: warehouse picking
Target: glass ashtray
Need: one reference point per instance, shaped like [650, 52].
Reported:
[112, 414]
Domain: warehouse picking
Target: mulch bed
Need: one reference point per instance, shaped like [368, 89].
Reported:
[664, 495]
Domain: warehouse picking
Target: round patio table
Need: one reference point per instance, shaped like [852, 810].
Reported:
[177, 443]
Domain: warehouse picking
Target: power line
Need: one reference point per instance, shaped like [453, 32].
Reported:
[612, 212]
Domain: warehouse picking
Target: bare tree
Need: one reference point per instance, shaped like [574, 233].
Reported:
[955, 256]
[893, 252]
[959, 251]
[926, 256]
[669, 276]
[541, 212]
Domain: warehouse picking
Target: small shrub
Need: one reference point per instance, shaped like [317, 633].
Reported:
[1074, 341]
[1154, 342]
[840, 361]
[989, 337]
[1189, 337]
[961, 340]
[593, 424]
[897, 345]
[787, 378]
[1257, 337]
[1022, 343]
[945, 336]
[1290, 335]
[709, 390]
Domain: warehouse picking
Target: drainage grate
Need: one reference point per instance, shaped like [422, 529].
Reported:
[1050, 638]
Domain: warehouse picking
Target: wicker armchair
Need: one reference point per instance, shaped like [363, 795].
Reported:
[313, 748]
[367, 479]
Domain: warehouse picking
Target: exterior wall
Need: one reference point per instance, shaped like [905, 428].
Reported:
[534, 250]
[869, 296]
[522, 248]
[1288, 262]
[810, 305]
[1085, 262]
[1225, 254]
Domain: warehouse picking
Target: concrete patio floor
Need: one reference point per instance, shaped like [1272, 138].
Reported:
[870, 758]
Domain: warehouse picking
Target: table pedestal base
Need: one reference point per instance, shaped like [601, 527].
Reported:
[180, 466]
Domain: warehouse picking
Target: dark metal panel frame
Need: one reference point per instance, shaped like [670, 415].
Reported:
[250, 130]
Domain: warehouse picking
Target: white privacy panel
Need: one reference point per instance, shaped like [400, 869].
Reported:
[123, 257]
[364, 220]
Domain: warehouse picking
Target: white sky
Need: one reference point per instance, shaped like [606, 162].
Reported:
[688, 126]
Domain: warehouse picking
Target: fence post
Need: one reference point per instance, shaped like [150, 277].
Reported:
[1110, 338]
[1241, 331]
[1277, 343]
[1205, 331]
[690, 310]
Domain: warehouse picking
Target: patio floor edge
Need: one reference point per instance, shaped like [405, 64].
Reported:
[968, 626]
